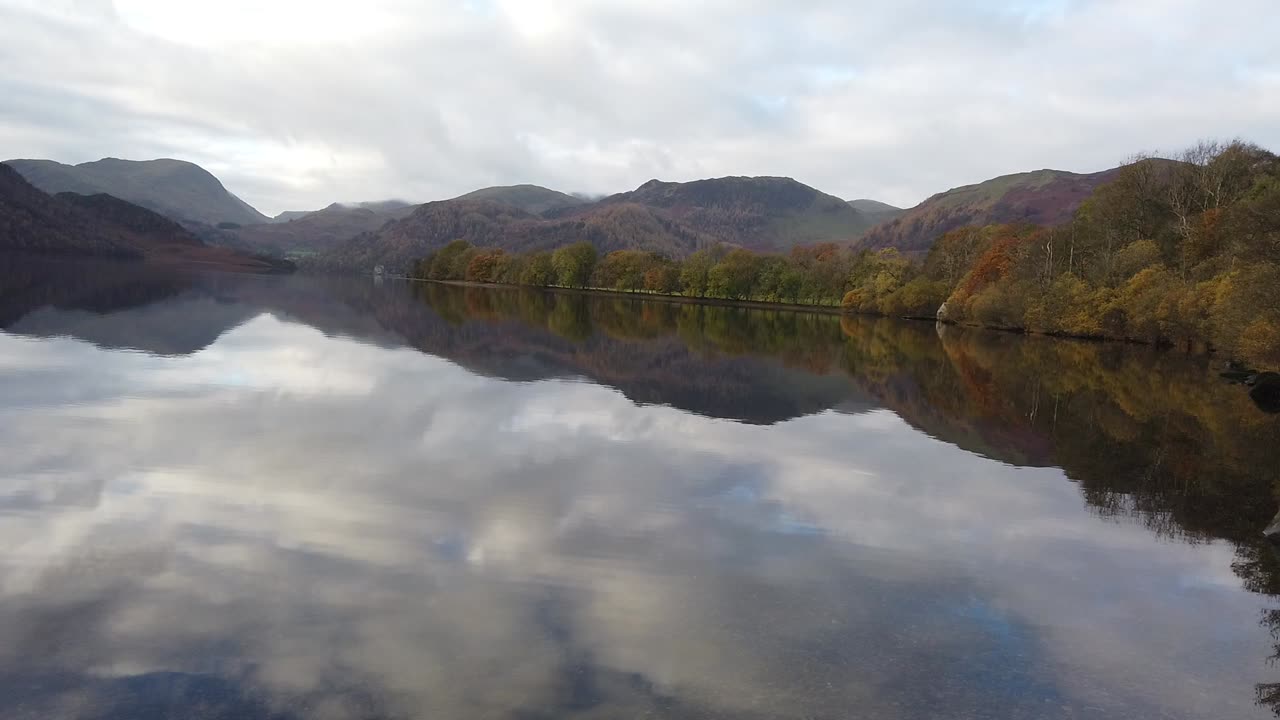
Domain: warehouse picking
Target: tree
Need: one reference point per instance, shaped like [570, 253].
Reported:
[538, 270]
[574, 264]
[695, 271]
[445, 261]
[483, 265]
[734, 277]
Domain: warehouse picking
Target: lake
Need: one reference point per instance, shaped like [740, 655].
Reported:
[246, 497]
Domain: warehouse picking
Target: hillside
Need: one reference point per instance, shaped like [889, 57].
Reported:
[529, 198]
[176, 189]
[674, 219]
[876, 212]
[399, 208]
[33, 221]
[758, 213]
[1043, 197]
[322, 229]
[490, 224]
[102, 226]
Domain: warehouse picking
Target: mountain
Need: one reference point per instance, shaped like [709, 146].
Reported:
[484, 223]
[398, 208]
[34, 221]
[532, 199]
[675, 219]
[311, 232]
[176, 189]
[1043, 197]
[875, 211]
[102, 225]
[758, 213]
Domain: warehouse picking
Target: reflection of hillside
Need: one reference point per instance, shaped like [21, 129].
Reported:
[692, 358]
[1146, 433]
[133, 307]
[689, 357]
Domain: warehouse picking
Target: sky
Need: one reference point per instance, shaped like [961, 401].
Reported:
[298, 103]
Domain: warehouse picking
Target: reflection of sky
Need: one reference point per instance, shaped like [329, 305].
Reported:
[300, 525]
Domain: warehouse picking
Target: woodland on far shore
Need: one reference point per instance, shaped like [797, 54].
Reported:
[1182, 252]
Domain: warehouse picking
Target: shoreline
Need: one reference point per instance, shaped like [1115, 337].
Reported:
[833, 310]
[657, 297]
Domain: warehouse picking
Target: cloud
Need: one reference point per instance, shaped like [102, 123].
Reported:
[297, 104]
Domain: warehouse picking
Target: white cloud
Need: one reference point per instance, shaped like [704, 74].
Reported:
[296, 104]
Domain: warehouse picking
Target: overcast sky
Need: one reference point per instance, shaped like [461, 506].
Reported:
[298, 103]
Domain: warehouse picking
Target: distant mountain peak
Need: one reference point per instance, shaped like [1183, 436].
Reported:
[874, 206]
[177, 189]
[530, 198]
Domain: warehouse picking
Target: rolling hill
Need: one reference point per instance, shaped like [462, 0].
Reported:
[485, 223]
[675, 219]
[532, 199]
[177, 189]
[875, 211]
[396, 207]
[100, 225]
[1043, 197]
[758, 213]
[322, 229]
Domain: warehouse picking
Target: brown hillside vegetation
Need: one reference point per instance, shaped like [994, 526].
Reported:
[1185, 254]
[1044, 197]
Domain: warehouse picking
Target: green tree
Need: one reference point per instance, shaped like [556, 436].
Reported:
[574, 264]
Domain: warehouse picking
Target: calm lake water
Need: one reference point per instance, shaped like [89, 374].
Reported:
[244, 497]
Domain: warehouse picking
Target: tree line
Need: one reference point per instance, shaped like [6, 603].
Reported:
[1183, 252]
[809, 275]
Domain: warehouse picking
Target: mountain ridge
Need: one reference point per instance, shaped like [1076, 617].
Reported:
[104, 226]
[534, 199]
[177, 189]
[764, 213]
[673, 219]
[1041, 197]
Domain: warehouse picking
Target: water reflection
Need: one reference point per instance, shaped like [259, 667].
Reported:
[274, 498]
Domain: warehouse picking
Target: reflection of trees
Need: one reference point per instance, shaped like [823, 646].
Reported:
[1150, 436]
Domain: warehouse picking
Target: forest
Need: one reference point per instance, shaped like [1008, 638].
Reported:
[1182, 252]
